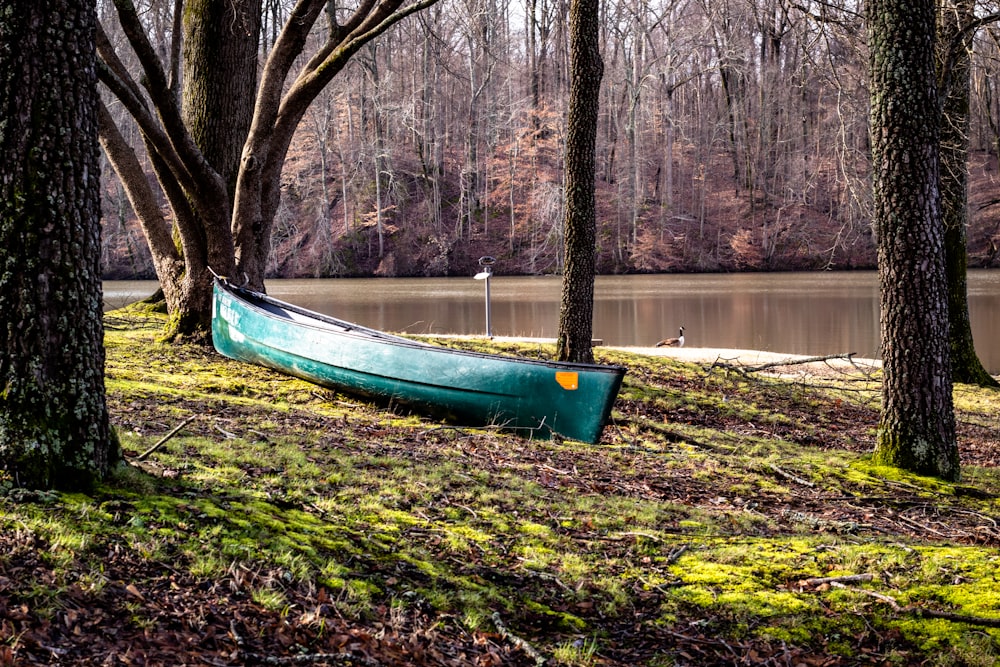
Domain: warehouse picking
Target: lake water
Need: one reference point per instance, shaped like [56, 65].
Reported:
[797, 313]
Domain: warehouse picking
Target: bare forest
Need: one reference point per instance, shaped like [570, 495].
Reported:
[733, 136]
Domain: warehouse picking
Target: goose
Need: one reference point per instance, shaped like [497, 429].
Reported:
[673, 342]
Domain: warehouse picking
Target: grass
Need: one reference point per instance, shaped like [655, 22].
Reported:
[693, 529]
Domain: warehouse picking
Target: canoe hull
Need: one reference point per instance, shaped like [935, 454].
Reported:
[532, 397]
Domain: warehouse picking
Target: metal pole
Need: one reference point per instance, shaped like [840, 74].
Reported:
[489, 328]
[484, 275]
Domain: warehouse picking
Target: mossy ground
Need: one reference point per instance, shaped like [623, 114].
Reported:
[288, 521]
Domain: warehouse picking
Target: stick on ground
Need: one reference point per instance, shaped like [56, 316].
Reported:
[164, 439]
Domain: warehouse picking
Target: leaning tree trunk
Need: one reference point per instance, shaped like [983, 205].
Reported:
[586, 69]
[917, 427]
[54, 429]
[955, 70]
[280, 107]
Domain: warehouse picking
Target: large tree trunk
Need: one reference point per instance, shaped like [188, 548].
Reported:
[219, 60]
[194, 190]
[54, 429]
[917, 428]
[586, 68]
[219, 63]
[955, 70]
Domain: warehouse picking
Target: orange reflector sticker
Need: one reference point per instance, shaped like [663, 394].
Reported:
[567, 380]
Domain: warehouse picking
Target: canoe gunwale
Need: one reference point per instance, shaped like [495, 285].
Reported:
[248, 297]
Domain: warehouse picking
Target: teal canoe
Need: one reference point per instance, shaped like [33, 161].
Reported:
[529, 396]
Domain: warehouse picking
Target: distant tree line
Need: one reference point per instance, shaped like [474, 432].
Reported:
[733, 135]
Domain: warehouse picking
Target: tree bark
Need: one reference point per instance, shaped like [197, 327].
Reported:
[576, 312]
[54, 429]
[955, 70]
[917, 428]
[167, 261]
[219, 59]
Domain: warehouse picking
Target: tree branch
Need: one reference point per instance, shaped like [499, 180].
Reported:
[286, 49]
[316, 75]
[789, 476]
[922, 612]
[164, 439]
[137, 189]
[304, 659]
[170, 169]
[108, 57]
[175, 46]
[517, 641]
[845, 579]
[259, 146]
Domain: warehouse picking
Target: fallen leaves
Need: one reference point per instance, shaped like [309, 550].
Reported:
[161, 618]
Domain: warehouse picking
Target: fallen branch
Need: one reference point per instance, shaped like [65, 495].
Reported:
[551, 577]
[635, 533]
[666, 434]
[164, 439]
[921, 526]
[226, 434]
[785, 362]
[921, 612]
[845, 579]
[790, 476]
[675, 554]
[517, 641]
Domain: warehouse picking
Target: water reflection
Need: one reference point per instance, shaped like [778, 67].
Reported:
[797, 313]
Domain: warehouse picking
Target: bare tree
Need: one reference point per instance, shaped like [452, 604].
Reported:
[586, 68]
[956, 31]
[917, 427]
[228, 231]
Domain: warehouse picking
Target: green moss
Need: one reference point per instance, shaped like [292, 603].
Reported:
[275, 478]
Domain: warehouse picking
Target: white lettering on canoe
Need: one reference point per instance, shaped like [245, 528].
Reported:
[232, 317]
